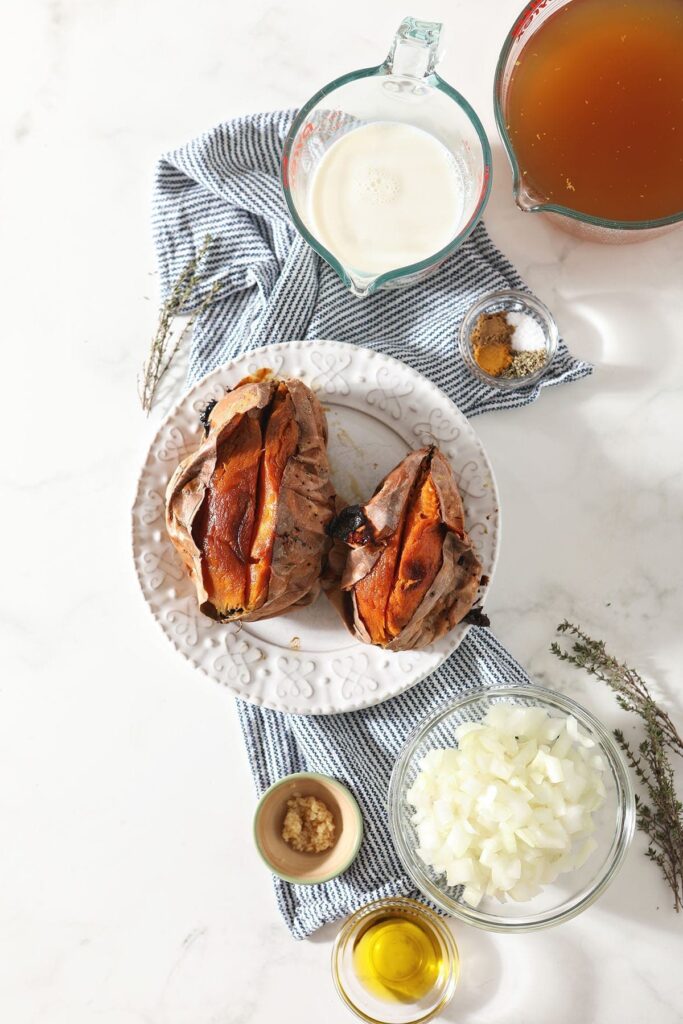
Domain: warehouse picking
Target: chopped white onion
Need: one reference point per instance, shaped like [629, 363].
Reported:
[511, 807]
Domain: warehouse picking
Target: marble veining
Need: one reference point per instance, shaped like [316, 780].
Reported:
[129, 889]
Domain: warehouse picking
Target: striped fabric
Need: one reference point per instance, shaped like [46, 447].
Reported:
[274, 288]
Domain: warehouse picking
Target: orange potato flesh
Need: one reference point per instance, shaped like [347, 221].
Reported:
[224, 526]
[281, 437]
[372, 592]
[388, 597]
[421, 556]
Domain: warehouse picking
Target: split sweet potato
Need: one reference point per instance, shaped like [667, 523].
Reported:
[248, 511]
[411, 573]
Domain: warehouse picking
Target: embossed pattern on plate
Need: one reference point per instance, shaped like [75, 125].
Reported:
[306, 662]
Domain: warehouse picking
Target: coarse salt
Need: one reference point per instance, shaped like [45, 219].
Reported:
[528, 335]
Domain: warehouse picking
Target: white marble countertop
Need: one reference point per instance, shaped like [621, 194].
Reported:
[129, 889]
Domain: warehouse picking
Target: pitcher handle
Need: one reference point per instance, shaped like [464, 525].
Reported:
[415, 49]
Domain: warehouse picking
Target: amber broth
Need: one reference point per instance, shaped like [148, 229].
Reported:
[595, 108]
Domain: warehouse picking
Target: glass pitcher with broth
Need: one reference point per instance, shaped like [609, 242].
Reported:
[589, 105]
[387, 170]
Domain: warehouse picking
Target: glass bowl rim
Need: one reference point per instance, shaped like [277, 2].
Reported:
[532, 302]
[439, 925]
[517, 187]
[435, 81]
[626, 814]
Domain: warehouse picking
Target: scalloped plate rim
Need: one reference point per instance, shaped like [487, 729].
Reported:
[413, 677]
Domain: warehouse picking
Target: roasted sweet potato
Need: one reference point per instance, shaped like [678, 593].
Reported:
[248, 510]
[411, 573]
[420, 555]
[224, 525]
[279, 445]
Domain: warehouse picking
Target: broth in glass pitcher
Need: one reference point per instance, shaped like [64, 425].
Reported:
[592, 109]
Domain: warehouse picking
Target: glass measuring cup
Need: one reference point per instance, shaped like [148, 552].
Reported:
[404, 89]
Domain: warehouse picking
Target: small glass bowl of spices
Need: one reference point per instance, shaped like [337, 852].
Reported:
[508, 339]
[395, 962]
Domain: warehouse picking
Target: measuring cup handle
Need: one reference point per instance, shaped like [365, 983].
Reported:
[415, 49]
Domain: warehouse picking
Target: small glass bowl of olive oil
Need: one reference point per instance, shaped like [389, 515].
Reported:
[395, 962]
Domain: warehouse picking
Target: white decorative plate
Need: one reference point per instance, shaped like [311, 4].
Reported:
[306, 662]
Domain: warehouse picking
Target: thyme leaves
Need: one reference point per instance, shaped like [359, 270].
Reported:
[660, 814]
[165, 343]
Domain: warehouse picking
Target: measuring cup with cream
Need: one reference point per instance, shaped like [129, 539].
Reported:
[387, 170]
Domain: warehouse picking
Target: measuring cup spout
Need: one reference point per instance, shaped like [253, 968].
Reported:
[359, 285]
[525, 198]
[415, 49]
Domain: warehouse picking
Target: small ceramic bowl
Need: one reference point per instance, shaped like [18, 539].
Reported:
[508, 300]
[307, 868]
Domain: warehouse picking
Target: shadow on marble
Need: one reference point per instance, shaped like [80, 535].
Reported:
[530, 238]
[589, 286]
[540, 970]
[609, 573]
[327, 934]
[639, 894]
[480, 973]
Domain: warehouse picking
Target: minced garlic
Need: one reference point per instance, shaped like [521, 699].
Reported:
[308, 826]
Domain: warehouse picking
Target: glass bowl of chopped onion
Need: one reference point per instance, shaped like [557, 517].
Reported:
[508, 339]
[511, 808]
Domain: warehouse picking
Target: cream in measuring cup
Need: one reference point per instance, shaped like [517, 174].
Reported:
[386, 195]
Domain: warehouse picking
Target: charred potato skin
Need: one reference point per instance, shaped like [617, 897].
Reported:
[305, 502]
[371, 531]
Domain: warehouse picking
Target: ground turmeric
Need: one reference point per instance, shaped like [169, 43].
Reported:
[494, 358]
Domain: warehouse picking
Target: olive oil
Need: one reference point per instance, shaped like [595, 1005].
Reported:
[398, 957]
[594, 108]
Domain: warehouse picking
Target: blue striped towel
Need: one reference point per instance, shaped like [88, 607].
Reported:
[274, 288]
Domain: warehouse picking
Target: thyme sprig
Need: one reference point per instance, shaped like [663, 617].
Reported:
[165, 343]
[630, 689]
[661, 818]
